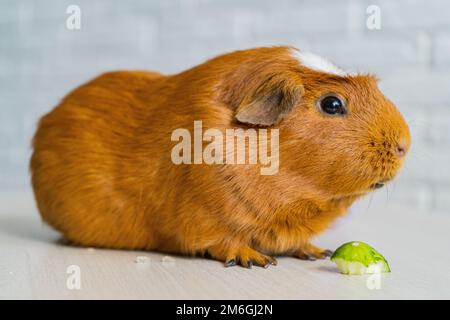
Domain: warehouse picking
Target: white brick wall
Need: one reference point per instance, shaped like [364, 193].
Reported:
[40, 60]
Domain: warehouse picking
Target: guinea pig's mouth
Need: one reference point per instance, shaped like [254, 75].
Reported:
[379, 184]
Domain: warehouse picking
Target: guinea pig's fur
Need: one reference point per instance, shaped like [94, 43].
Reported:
[103, 176]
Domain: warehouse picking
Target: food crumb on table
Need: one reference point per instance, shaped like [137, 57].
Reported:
[142, 259]
[167, 259]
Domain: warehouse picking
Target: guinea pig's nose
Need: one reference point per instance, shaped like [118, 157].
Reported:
[401, 149]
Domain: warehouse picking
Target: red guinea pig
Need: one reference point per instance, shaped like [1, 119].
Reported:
[141, 160]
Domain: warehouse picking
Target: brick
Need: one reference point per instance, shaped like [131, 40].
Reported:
[428, 164]
[442, 51]
[442, 198]
[12, 11]
[296, 20]
[418, 87]
[373, 53]
[410, 15]
[437, 131]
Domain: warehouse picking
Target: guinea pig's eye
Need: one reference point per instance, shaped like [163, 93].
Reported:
[332, 105]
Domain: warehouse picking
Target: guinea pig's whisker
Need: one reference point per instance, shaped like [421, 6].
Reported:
[369, 203]
[423, 152]
[394, 184]
[422, 155]
[387, 193]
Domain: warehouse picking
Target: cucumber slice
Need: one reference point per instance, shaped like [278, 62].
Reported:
[357, 258]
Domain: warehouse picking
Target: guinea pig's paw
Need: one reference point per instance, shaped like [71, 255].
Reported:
[312, 253]
[248, 258]
[243, 256]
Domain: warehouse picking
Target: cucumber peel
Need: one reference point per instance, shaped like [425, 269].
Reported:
[358, 258]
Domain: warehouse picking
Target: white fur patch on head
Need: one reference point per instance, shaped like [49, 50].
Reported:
[315, 62]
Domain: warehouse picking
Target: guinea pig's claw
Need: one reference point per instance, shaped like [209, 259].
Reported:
[271, 262]
[246, 257]
[327, 253]
[230, 263]
[311, 253]
[307, 257]
[250, 263]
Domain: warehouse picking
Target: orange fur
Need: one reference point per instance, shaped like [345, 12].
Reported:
[103, 176]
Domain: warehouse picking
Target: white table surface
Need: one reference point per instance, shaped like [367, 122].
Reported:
[416, 244]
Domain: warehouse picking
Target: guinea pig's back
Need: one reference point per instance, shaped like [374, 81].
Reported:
[84, 168]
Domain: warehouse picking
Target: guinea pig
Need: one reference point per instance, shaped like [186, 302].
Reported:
[104, 173]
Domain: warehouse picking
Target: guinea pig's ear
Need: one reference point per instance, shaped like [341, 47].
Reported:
[269, 103]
